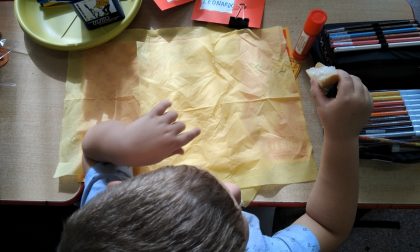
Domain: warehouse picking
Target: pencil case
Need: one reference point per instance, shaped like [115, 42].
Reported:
[385, 67]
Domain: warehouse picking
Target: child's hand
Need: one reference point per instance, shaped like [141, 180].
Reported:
[155, 136]
[345, 115]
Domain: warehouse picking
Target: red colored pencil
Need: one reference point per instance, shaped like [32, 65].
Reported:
[393, 40]
[403, 35]
[389, 36]
[388, 103]
[372, 42]
[355, 43]
[389, 113]
[354, 39]
[389, 108]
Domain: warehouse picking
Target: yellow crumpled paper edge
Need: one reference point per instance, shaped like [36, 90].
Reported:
[237, 86]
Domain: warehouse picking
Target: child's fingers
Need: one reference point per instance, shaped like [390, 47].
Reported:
[357, 85]
[368, 98]
[345, 83]
[161, 107]
[179, 151]
[178, 127]
[317, 93]
[170, 116]
[361, 90]
[187, 136]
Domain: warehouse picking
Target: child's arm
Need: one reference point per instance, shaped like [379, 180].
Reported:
[148, 140]
[332, 204]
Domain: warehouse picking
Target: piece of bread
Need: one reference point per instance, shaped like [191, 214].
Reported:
[326, 76]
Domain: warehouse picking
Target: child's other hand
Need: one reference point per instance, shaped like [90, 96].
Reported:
[156, 136]
[345, 115]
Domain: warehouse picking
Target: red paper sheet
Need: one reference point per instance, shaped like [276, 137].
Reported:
[167, 4]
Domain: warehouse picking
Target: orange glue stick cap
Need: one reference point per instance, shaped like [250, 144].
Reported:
[315, 21]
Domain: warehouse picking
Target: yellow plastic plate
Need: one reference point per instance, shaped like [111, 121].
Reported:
[60, 28]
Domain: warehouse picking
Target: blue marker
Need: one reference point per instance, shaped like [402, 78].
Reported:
[352, 35]
[410, 97]
[409, 91]
[400, 30]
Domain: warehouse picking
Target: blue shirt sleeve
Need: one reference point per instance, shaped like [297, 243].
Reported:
[293, 238]
[99, 175]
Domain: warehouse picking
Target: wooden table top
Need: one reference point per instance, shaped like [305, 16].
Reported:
[32, 87]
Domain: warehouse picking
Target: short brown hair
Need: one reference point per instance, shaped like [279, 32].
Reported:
[176, 208]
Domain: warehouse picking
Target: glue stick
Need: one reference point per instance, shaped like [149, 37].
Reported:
[313, 26]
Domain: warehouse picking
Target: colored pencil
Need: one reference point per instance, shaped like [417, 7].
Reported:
[396, 40]
[390, 113]
[373, 42]
[384, 124]
[355, 43]
[375, 46]
[395, 108]
[373, 33]
[372, 29]
[396, 97]
[393, 118]
[389, 36]
[396, 102]
[381, 24]
[386, 121]
[393, 102]
[354, 39]
[367, 138]
[398, 128]
[401, 134]
[402, 35]
[395, 114]
[395, 92]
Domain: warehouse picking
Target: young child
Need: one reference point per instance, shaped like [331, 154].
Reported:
[184, 208]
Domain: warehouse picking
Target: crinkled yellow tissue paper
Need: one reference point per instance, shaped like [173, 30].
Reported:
[236, 85]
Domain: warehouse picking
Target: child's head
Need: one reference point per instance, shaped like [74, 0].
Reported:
[171, 209]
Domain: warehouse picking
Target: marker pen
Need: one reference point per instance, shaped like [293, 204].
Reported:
[381, 24]
[402, 134]
[400, 128]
